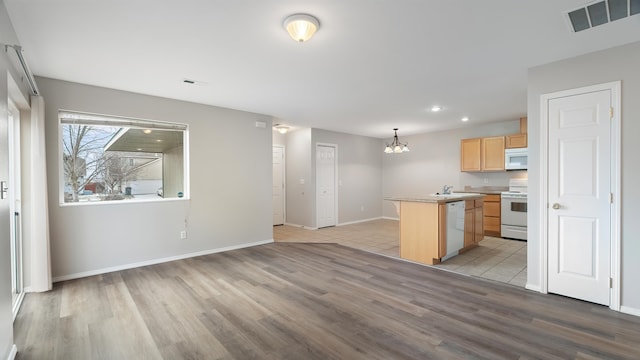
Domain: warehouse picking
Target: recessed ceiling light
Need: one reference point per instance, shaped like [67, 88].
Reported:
[147, 131]
[139, 149]
[465, 119]
[436, 108]
[158, 140]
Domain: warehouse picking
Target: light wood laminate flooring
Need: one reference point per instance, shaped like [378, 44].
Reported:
[311, 301]
[495, 258]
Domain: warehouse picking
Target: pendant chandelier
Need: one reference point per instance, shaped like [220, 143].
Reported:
[396, 147]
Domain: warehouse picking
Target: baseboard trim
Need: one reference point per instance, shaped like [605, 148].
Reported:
[630, 310]
[301, 226]
[391, 218]
[157, 261]
[531, 287]
[13, 352]
[359, 221]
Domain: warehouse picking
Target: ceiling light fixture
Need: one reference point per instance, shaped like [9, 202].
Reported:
[147, 131]
[396, 147]
[465, 119]
[282, 129]
[301, 27]
[436, 108]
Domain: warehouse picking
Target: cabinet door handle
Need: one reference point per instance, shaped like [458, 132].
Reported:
[556, 206]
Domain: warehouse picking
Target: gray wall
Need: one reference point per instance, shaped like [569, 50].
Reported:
[434, 160]
[359, 174]
[619, 63]
[230, 163]
[299, 202]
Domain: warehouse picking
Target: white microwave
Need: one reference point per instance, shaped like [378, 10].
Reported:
[515, 159]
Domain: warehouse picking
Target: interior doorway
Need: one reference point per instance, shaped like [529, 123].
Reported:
[581, 178]
[326, 195]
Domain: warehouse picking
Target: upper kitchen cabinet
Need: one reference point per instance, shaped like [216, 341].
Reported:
[470, 154]
[518, 140]
[482, 154]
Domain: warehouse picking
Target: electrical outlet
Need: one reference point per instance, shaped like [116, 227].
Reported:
[486, 180]
[362, 208]
[183, 234]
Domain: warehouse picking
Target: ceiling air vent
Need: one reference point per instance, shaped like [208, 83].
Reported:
[601, 12]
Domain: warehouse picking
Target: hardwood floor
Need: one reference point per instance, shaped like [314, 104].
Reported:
[311, 301]
[495, 258]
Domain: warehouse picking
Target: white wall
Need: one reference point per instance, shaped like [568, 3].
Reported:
[619, 63]
[230, 186]
[434, 161]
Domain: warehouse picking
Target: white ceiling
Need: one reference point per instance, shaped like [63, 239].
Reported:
[373, 65]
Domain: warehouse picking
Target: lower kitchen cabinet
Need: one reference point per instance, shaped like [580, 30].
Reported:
[491, 217]
[473, 223]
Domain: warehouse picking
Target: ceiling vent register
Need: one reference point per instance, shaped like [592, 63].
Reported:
[601, 12]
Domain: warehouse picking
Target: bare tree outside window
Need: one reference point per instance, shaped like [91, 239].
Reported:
[83, 156]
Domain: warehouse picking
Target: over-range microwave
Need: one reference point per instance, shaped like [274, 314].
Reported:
[515, 159]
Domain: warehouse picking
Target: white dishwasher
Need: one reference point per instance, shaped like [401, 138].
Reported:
[455, 228]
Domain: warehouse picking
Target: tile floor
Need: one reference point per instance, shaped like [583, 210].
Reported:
[495, 258]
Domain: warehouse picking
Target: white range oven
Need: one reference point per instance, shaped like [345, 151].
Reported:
[513, 210]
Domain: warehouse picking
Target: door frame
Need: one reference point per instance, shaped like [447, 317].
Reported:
[615, 173]
[335, 180]
[284, 182]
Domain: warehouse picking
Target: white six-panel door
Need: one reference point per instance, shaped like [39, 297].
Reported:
[278, 185]
[579, 190]
[325, 185]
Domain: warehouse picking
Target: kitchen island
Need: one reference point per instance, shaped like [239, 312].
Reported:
[423, 225]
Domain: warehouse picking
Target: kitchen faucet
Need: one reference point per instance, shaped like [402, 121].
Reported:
[446, 190]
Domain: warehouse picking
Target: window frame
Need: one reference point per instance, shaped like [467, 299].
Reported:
[67, 117]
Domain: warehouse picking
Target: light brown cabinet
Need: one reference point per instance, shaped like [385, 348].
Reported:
[423, 229]
[473, 223]
[516, 141]
[482, 154]
[470, 154]
[491, 215]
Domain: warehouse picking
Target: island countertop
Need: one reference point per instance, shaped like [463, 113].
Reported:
[437, 198]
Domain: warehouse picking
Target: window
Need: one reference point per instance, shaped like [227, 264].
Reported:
[106, 158]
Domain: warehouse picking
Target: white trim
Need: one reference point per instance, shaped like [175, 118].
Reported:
[630, 310]
[359, 221]
[335, 180]
[615, 272]
[391, 218]
[16, 307]
[531, 287]
[13, 352]
[158, 261]
[284, 181]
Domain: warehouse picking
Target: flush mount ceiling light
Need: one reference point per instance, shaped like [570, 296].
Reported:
[301, 27]
[465, 119]
[282, 129]
[396, 147]
[436, 108]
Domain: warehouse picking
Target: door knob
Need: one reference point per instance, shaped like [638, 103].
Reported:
[556, 206]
